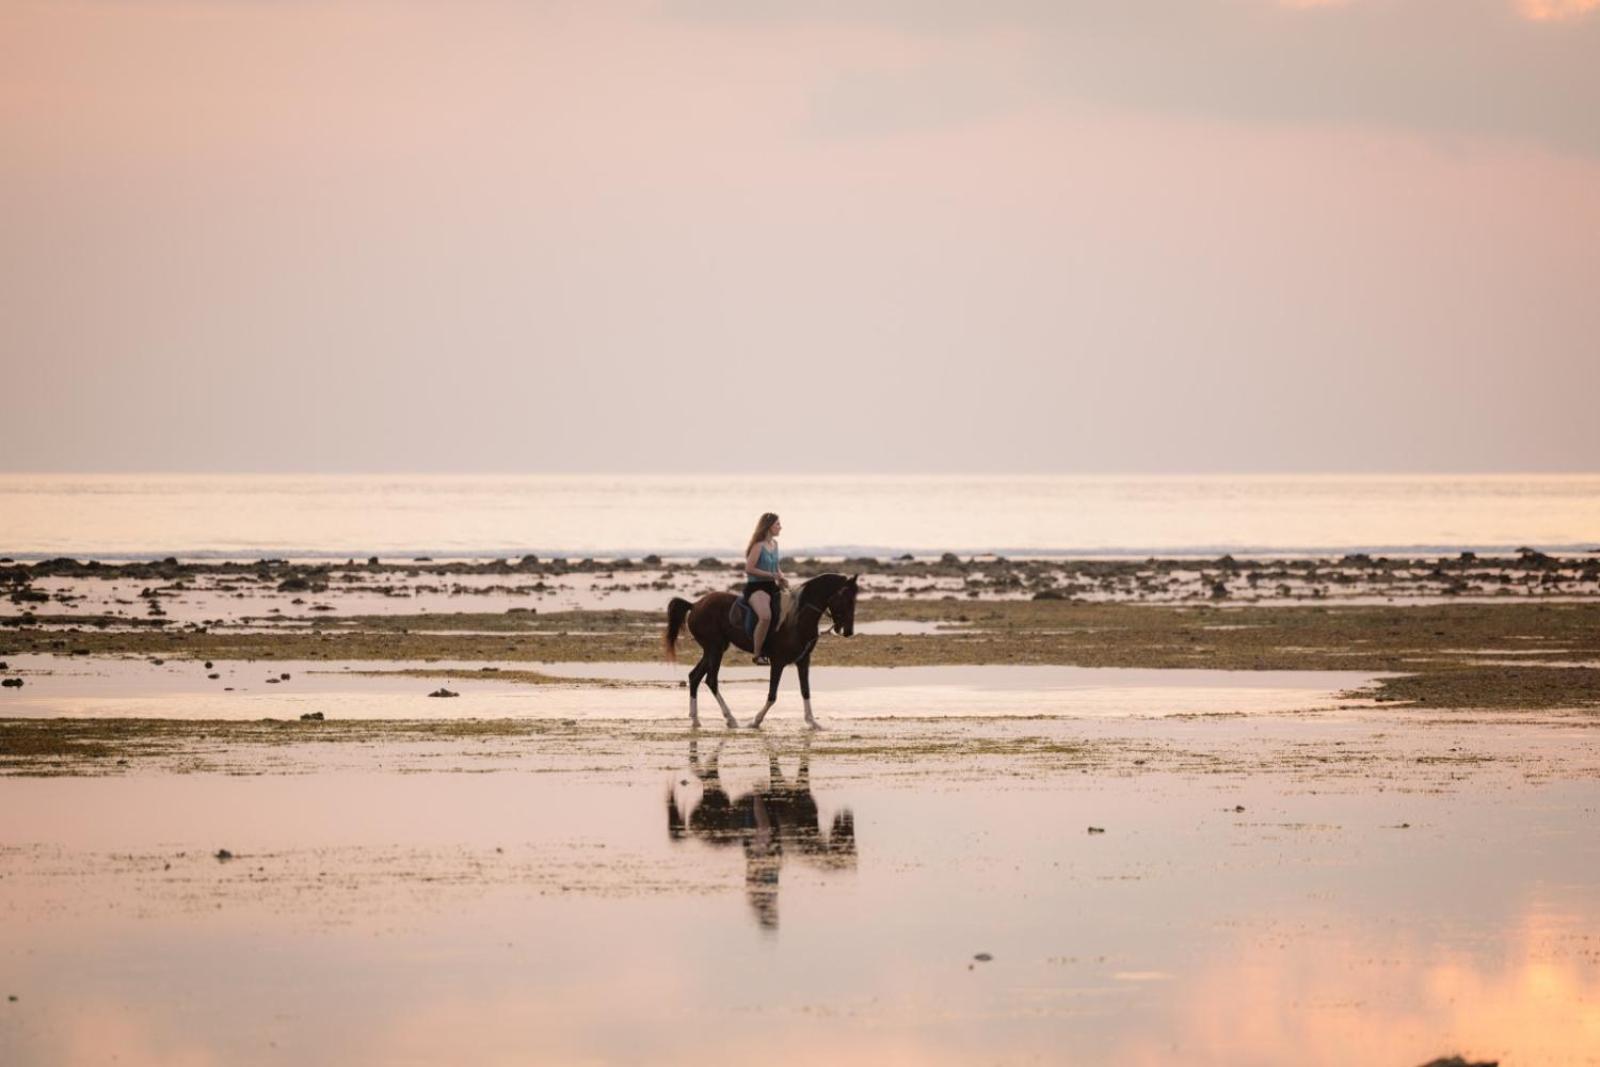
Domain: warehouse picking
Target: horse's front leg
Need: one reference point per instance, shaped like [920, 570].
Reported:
[772, 695]
[803, 668]
[716, 689]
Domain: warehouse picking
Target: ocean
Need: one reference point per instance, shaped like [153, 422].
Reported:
[129, 516]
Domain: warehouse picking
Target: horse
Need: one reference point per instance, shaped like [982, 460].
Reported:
[790, 641]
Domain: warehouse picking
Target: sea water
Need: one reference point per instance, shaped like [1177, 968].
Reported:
[247, 516]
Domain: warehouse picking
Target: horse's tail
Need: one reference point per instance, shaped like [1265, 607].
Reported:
[677, 611]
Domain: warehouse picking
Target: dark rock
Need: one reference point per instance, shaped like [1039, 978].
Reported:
[443, 692]
[1468, 557]
[1458, 1061]
[950, 559]
[294, 585]
[313, 716]
[1051, 594]
[284, 676]
[372, 561]
[12, 683]
[209, 665]
[982, 957]
[651, 560]
[213, 676]
[223, 854]
[709, 563]
[1097, 829]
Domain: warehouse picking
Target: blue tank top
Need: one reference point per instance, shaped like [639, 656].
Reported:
[767, 561]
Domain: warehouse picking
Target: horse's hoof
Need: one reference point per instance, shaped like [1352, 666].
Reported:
[813, 724]
[755, 724]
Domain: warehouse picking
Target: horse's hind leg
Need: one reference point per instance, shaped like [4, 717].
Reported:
[772, 695]
[699, 672]
[714, 661]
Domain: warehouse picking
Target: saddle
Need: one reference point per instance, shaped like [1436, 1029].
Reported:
[743, 617]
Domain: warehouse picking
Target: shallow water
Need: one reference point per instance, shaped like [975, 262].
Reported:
[1436, 889]
[130, 687]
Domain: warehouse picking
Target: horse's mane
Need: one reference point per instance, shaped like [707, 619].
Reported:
[820, 581]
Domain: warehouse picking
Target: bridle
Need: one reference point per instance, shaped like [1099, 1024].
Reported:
[822, 609]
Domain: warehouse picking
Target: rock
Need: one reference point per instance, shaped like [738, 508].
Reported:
[294, 585]
[272, 681]
[1237, 808]
[12, 683]
[1051, 594]
[982, 957]
[372, 561]
[209, 665]
[2, 665]
[1469, 557]
[443, 692]
[1097, 829]
[313, 716]
[907, 558]
[213, 676]
[1457, 1061]
[223, 854]
[1219, 590]
[284, 676]
[157, 662]
[651, 560]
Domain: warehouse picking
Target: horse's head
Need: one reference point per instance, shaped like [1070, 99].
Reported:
[842, 607]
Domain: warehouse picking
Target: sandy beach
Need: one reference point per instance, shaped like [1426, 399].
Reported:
[1055, 800]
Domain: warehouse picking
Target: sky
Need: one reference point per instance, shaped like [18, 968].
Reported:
[842, 235]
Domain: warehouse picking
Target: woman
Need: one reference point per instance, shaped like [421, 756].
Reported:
[763, 579]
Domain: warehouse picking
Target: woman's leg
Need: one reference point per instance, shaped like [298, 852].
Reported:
[761, 601]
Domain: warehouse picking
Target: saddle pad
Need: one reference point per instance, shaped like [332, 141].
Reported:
[742, 615]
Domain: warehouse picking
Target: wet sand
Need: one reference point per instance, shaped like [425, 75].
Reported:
[1355, 885]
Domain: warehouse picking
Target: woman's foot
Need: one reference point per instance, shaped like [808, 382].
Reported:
[761, 661]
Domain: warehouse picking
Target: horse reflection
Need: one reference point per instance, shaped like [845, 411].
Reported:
[770, 822]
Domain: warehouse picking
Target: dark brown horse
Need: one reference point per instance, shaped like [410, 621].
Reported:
[790, 641]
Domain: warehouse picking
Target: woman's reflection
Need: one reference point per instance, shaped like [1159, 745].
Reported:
[769, 822]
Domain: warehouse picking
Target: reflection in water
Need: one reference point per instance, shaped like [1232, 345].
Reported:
[769, 822]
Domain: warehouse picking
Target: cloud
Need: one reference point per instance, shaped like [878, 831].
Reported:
[1512, 70]
[1555, 10]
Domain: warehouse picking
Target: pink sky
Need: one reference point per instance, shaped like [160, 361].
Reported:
[1159, 236]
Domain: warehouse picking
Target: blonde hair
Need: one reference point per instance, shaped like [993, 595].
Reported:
[763, 527]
